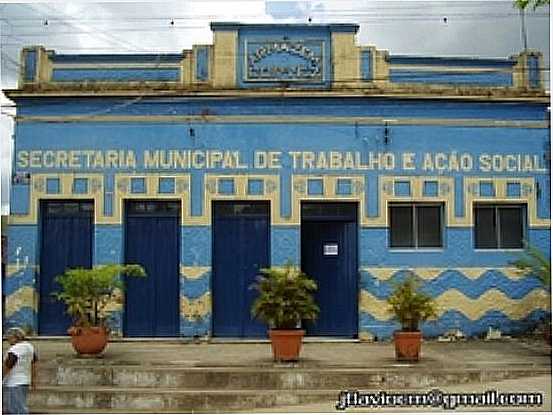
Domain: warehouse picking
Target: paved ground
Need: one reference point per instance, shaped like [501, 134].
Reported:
[540, 384]
[510, 354]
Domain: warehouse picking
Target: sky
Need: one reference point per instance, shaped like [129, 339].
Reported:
[438, 28]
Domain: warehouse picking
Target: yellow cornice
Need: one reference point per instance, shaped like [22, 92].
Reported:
[147, 90]
[283, 119]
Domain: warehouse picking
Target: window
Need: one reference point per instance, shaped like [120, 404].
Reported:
[416, 225]
[499, 226]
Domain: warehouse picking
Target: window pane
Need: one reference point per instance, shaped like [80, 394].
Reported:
[401, 227]
[429, 226]
[485, 233]
[511, 227]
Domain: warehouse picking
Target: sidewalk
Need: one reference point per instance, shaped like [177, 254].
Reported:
[168, 376]
[511, 353]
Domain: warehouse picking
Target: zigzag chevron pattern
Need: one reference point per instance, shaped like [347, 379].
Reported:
[452, 320]
[472, 273]
[471, 308]
[193, 273]
[19, 277]
[25, 316]
[454, 279]
[23, 297]
[196, 308]
[15, 270]
[195, 288]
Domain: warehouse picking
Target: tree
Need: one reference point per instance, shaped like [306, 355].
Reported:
[522, 5]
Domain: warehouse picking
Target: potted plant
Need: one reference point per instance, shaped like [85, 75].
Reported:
[535, 264]
[410, 307]
[285, 300]
[87, 294]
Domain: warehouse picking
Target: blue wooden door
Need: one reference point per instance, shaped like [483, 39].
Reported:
[329, 255]
[66, 242]
[152, 239]
[240, 250]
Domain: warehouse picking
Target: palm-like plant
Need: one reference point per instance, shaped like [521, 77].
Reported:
[534, 263]
[410, 306]
[285, 297]
[522, 5]
[87, 292]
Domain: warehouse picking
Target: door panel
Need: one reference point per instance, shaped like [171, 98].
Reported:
[329, 254]
[240, 249]
[66, 242]
[152, 239]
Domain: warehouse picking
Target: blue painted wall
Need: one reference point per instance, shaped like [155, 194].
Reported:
[460, 78]
[115, 58]
[115, 75]
[353, 107]
[458, 250]
[430, 70]
[202, 63]
[457, 61]
[21, 280]
[244, 137]
[366, 65]
[30, 65]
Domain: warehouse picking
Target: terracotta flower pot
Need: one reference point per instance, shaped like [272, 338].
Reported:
[286, 344]
[408, 345]
[89, 340]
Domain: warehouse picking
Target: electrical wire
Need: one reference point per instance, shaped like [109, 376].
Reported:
[380, 18]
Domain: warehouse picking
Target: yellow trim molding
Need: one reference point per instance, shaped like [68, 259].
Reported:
[271, 193]
[282, 119]
[386, 192]
[122, 192]
[95, 192]
[471, 191]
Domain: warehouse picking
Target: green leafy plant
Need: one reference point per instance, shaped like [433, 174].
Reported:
[524, 4]
[410, 306]
[285, 297]
[87, 292]
[534, 263]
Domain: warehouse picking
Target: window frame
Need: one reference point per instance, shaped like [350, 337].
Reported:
[414, 206]
[523, 207]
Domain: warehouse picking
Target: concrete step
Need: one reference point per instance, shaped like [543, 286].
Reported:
[97, 399]
[97, 386]
[194, 378]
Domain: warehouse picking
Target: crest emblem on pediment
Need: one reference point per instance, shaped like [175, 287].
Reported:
[285, 61]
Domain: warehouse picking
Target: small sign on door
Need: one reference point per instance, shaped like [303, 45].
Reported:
[330, 249]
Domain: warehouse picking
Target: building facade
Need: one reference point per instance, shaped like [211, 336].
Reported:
[280, 144]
